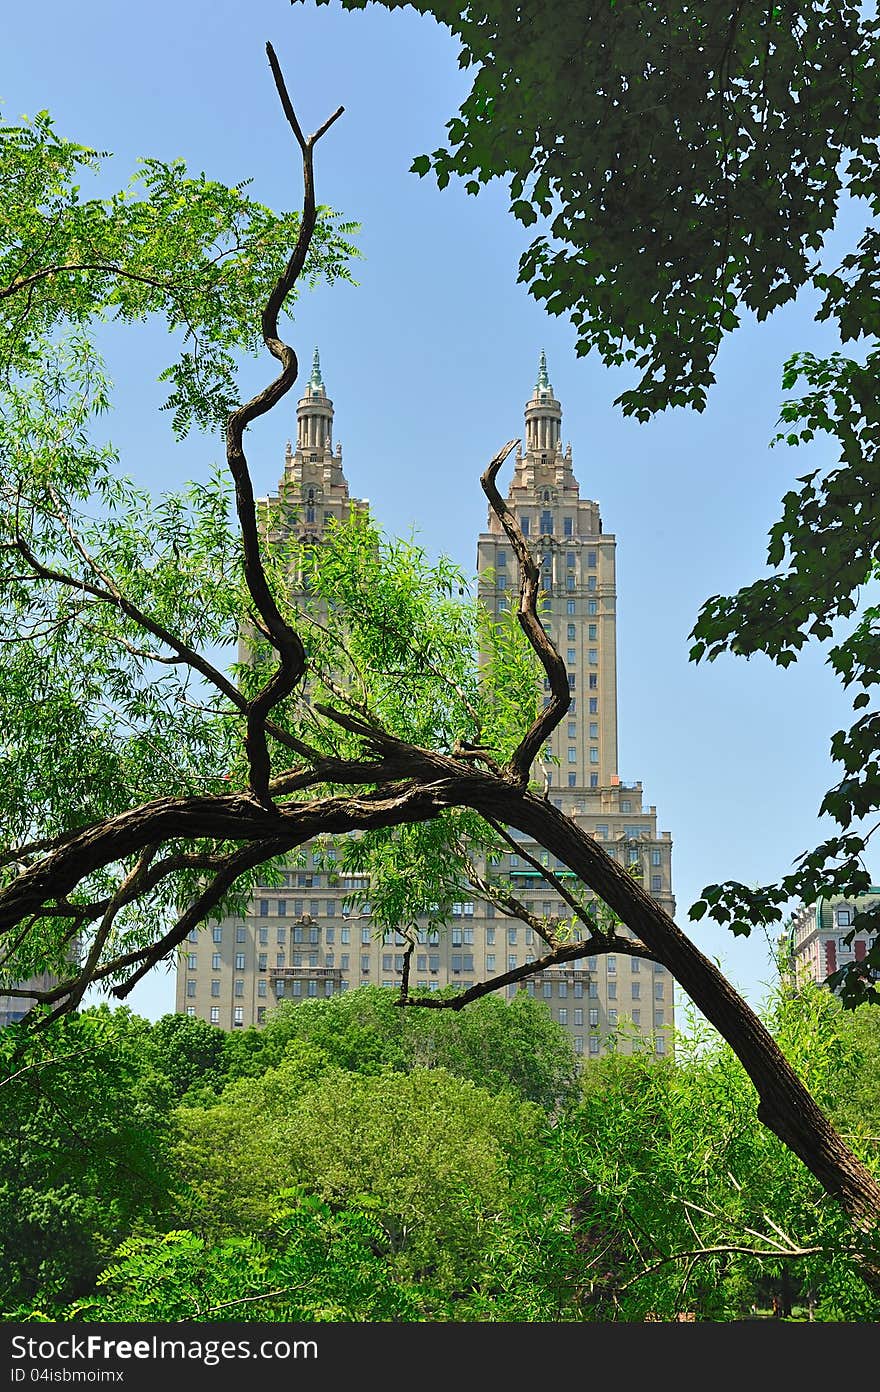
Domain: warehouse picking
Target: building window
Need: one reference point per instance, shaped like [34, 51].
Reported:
[635, 990]
[215, 961]
[656, 884]
[593, 1016]
[572, 633]
[490, 932]
[191, 1010]
[594, 990]
[193, 935]
[658, 990]
[844, 918]
[578, 1044]
[190, 988]
[217, 934]
[501, 558]
[569, 582]
[262, 987]
[635, 965]
[281, 935]
[578, 990]
[592, 606]
[594, 1043]
[658, 1019]
[548, 990]
[593, 681]
[572, 780]
[215, 988]
[591, 560]
[572, 754]
[501, 582]
[282, 908]
[593, 656]
[612, 1018]
[568, 526]
[239, 988]
[571, 657]
[264, 908]
[264, 936]
[660, 1045]
[626, 805]
[546, 523]
[241, 934]
[215, 1014]
[239, 961]
[524, 525]
[612, 965]
[192, 961]
[511, 961]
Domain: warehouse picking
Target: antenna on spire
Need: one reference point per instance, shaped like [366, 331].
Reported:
[543, 383]
[316, 380]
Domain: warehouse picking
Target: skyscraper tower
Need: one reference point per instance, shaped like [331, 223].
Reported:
[299, 940]
[577, 565]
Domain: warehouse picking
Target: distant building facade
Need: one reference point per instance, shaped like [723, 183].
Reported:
[298, 940]
[818, 935]
[14, 1008]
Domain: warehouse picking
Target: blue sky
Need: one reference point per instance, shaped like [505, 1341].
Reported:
[429, 362]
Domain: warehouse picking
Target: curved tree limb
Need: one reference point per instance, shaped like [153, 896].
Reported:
[285, 640]
[529, 577]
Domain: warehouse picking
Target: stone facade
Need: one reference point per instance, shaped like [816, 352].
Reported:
[298, 941]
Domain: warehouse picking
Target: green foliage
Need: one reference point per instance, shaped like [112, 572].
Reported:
[822, 553]
[499, 1045]
[434, 1159]
[309, 1264]
[187, 247]
[84, 1133]
[668, 1163]
[682, 163]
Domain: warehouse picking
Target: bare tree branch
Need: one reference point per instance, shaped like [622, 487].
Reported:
[284, 638]
[529, 578]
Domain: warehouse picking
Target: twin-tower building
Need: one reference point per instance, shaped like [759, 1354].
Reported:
[299, 940]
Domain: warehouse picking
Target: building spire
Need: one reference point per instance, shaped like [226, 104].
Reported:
[316, 380]
[543, 382]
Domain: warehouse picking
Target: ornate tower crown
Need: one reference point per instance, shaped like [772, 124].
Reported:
[314, 414]
[543, 415]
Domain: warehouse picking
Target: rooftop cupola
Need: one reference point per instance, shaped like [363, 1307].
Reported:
[314, 414]
[543, 415]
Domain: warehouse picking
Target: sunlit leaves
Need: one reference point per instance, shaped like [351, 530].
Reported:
[195, 251]
[685, 162]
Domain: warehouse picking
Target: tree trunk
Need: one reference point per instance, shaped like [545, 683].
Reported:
[785, 1106]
